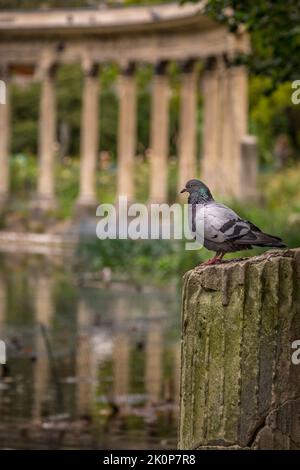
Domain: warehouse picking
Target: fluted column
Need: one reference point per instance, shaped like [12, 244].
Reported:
[126, 133]
[225, 93]
[226, 170]
[238, 104]
[47, 139]
[89, 138]
[188, 125]
[4, 135]
[233, 117]
[212, 117]
[159, 139]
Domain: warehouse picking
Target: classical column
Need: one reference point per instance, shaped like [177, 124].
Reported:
[47, 139]
[126, 133]
[159, 139]
[238, 105]
[226, 150]
[89, 138]
[188, 125]
[225, 90]
[4, 135]
[212, 116]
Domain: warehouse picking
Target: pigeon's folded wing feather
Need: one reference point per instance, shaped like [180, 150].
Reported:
[222, 224]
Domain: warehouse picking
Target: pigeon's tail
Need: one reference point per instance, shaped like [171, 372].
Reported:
[264, 239]
[256, 237]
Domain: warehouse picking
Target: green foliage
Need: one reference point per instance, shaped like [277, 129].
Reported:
[275, 40]
[108, 124]
[67, 189]
[109, 107]
[275, 33]
[272, 115]
[24, 170]
[25, 109]
[155, 260]
[69, 96]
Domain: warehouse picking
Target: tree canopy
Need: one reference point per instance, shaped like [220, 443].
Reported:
[274, 27]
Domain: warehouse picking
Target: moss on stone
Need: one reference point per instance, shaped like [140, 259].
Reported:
[238, 321]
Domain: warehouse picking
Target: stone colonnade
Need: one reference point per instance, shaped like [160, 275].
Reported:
[156, 35]
[127, 127]
[224, 90]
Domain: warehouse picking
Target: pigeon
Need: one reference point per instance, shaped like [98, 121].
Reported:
[224, 231]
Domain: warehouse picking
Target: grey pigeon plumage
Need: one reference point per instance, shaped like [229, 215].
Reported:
[224, 230]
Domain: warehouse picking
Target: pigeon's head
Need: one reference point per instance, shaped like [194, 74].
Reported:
[198, 189]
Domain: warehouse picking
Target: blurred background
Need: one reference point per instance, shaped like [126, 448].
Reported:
[93, 327]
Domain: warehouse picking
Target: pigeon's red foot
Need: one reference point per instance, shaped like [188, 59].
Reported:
[215, 260]
[212, 261]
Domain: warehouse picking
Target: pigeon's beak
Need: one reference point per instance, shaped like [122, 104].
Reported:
[184, 190]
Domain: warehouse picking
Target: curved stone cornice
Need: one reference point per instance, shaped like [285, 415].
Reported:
[104, 20]
[147, 34]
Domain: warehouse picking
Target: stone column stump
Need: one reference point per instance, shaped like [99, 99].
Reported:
[240, 381]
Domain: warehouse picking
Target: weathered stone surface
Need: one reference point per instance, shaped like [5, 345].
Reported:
[239, 388]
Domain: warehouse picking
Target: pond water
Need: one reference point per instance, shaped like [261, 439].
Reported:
[86, 367]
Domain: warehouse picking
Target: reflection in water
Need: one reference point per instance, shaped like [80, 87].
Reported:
[154, 352]
[87, 367]
[121, 354]
[84, 359]
[44, 311]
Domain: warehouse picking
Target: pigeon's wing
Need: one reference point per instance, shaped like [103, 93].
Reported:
[222, 224]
